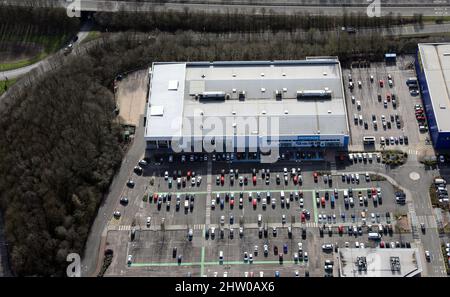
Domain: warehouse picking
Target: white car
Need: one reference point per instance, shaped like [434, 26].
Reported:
[149, 219]
[117, 214]
[213, 204]
[199, 180]
[143, 163]
[166, 175]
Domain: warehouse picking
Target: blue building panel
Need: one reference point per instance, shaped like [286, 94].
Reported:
[428, 106]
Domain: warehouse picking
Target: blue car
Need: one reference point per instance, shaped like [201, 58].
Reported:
[332, 200]
[285, 248]
[277, 274]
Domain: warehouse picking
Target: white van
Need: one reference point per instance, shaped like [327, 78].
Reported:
[439, 181]
[374, 236]
[380, 228]
[221, 256]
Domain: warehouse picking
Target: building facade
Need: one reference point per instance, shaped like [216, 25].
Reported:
[246, 106]
[433, 73]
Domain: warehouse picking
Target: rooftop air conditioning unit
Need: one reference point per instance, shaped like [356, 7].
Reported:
[278, 95]
[242, 96]
[313, 94]
[214, 95]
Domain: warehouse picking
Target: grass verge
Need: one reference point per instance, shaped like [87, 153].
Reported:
[5, 84]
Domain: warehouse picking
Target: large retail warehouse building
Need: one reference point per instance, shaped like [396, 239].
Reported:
[433, 71]
[234, 105]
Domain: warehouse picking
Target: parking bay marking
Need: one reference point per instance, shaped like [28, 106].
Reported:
[269, 262]
[259, 190]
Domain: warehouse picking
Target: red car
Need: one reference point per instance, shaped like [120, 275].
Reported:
[302, 217]
[322, 201]
[382, 244]
[189, 174]
[295, 179]
[381, 83]
[421, 119]
[341, 229]
[374, 191]
[254, 202]
[155, 197]
[388, 97]
[222, 180]
[419, 111]
[254, 180]
[231, 202]
[315, 175]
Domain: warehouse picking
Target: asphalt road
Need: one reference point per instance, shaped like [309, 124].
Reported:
[97, 232]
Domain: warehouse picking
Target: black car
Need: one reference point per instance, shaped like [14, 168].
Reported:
[130, 183]
[405, 139]
[174, 252]
[124, 200]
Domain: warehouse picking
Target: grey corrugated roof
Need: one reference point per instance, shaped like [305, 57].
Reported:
[304, 117]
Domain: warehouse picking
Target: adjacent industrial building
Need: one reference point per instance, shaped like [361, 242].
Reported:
[379, 262]
[433, 72]
[236, 106]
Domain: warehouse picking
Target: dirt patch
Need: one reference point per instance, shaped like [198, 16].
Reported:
[402, 224]
[16, 51]
[131, 97]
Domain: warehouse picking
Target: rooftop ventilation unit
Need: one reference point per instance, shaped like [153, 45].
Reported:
[314, 94]
[242, 96]
[278, 95]
[361, 263]
[395, 263]
[217, 95]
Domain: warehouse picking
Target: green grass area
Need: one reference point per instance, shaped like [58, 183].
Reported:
[4, 85]
[436, 19]
[50, 44]
[92, 36]
[444, 254]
